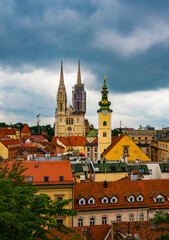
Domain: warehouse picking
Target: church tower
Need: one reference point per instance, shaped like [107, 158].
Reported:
[61, 95]
[79, 95]
[104, 121]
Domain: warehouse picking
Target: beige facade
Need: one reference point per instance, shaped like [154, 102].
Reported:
[70, 121]
[159, 151]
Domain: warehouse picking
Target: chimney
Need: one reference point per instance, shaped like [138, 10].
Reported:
[85, 234]
[113, 229]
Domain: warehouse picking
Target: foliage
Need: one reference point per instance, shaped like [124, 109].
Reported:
[116, 132]
[159, 219]
[23, 213]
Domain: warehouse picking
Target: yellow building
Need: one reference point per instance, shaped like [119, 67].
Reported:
[123, 148]
[160, 149]
[9, 148]
[55, 179]
[11, 132]
[104, 121]
[70, 121]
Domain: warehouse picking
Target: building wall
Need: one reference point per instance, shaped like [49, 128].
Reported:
[91, 152]
[133, 150]
[3, 151]
[66, 192]
[64, 127]
[101, 177]
[159, 151]
[111, 215]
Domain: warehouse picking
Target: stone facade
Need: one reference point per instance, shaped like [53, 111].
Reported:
[70, 121]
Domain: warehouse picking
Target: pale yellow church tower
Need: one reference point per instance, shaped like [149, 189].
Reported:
[104, 121]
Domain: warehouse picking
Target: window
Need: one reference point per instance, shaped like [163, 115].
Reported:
[95, 149]
[113, 200]
[145, 138]
[104, 134]
[88, 155]
[61, 178]
[60, 221]
[30, 179]
[104, 123]
[131, 217]
[118, 218]
[159, 199]
[95, 155]
[166, 146]
[104, 200]
[77, 120]
[80, 222]
[140, 198]
[92, 221]
[82, 201]
[150, 171]
[139, 138]
[141, 217]
[72, 121]
[59, 198]
[104, 220]
[67, 121]
[60, 107]
[91, 201]
[88, 149]
[133, 138]
[46, 179]
[163, 145]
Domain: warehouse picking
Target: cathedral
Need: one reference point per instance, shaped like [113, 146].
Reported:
[70, 121]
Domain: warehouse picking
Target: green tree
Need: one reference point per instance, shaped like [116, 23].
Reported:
[159, 219]
[23, 213]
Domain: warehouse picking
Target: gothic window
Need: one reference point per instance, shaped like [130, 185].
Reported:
[67, 121]
[104, 123]
[78, 106]
[69, 129]
[60, 107]
[72, 121]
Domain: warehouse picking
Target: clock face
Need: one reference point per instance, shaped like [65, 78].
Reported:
[104, 113]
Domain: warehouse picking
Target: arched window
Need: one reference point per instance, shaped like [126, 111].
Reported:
[104, 123]
[60, 107]
[72, 121]
[67, 121]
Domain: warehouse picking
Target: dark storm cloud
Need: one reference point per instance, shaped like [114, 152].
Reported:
[126, 40]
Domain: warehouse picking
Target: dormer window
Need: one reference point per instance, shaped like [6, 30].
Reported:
[91, 201]
[139, 198]
[159, 198]
[105, 200]
[131, 198]
[113, 199]
[82, 201]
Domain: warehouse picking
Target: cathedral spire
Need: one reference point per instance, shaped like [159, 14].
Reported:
[61, 74]
[79, 73]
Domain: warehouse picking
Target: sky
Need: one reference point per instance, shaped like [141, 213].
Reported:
[127, 40]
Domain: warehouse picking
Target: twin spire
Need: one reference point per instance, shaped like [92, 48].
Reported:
[61, 84]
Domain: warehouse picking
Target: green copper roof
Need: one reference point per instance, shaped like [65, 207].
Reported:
[92, 133]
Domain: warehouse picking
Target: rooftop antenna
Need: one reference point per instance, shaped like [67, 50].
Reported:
[38, 122]
[120, 123]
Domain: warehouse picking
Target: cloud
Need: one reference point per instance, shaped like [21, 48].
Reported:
[137, 41]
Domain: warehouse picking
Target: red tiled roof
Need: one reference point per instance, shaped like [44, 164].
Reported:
[4, 136]
[95, 140]
[120, 189]
[72, 140]
[25, 129]
[8, 131]
[53, 169]
[114, 142]
[33, 138]
[98, 232]
[12, 143]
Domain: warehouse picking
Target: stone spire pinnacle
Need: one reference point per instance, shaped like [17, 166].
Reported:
[61, 73]
[79, 74]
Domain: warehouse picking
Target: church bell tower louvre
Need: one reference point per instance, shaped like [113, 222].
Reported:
[70, 120]
[104, 121]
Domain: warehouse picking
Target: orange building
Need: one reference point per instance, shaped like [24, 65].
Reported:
[9, 148]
